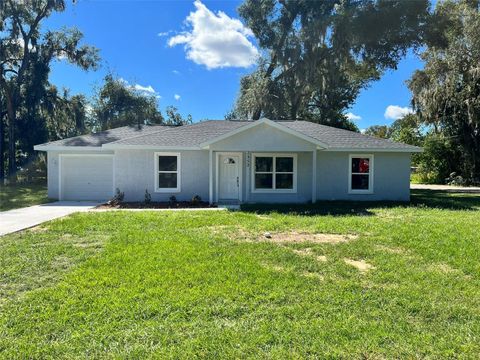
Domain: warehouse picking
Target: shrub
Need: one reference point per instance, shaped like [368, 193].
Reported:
[423, 177]
[196, 199]
[117, 198]
[148, 197]
[172, 200]
[455, 179]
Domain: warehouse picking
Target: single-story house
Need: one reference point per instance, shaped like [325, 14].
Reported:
[229, 162]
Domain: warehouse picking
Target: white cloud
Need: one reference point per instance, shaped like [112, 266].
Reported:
[216, 40]
[148, 89]
[177, 97]
[176, 72]
[164, 33]
[351, 116]
[395, 112]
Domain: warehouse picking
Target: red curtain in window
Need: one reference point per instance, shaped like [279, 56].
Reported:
[364, 166]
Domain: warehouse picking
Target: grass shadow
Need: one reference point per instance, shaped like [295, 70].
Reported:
[419, 198]
[442, 199]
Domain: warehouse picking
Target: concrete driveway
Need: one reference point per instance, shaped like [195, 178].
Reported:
[447, 188]
[24, 218]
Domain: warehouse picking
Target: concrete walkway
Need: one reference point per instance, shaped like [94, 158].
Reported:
[24, 218]
[447, 188]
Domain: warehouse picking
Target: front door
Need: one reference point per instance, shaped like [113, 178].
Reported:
[229, 177]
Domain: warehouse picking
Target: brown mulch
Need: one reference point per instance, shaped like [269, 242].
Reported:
[156, 205]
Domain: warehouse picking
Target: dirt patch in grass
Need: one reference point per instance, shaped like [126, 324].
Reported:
[275, 267]
[285, 270]
[295, 237]
[303, 252]
[361, 265]
[38, 228]
[312, 275]
[391, 250]
[62, 262]
[232, 232]
[446, 269]
[89, 245]
[92, 243]
[310, 252]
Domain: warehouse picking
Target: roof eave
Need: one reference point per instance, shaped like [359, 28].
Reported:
[147, 147]
[368, 149]
[45, 147]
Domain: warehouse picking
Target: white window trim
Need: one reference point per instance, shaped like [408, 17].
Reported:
[179, 172]
[370, 174]
[274, 155]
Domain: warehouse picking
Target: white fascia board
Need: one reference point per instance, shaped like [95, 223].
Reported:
[270, 123]
[66, 148]
[414, 150]
[147, 147]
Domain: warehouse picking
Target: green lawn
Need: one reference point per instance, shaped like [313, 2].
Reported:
[17, 196]
[202, 284]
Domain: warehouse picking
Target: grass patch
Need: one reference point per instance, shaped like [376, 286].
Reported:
[184, 285]
[17, 196]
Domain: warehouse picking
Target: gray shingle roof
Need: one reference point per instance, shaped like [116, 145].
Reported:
[104, 137]
[191, 136]
[343, 139]
[188, 135]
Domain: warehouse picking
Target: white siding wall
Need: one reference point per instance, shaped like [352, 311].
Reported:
[263, 138]
[391, 176]
[135, 172]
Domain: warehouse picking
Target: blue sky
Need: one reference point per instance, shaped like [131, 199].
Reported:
[192, 56]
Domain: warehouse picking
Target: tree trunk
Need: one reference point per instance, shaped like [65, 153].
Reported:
[12, 163]
[2, 155]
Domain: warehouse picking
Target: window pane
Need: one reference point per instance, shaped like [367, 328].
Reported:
[167, 180]
[263, 163]
[284, 164]
[360, 182]
[263, 181]
[360, 165]
[167, 163]
[284, 181]
[229, 161]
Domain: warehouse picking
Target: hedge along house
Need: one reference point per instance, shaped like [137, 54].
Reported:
[230, 162]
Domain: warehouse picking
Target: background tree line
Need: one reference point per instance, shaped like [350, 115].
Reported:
[446, 97]
[316, 58]
[34, 111]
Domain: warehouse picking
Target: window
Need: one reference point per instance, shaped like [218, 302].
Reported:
[167, 172]
[361, 174]
[274, 172]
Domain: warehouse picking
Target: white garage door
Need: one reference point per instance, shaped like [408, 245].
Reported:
[86, 177]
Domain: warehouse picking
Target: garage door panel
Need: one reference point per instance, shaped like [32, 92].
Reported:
[86, 177]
